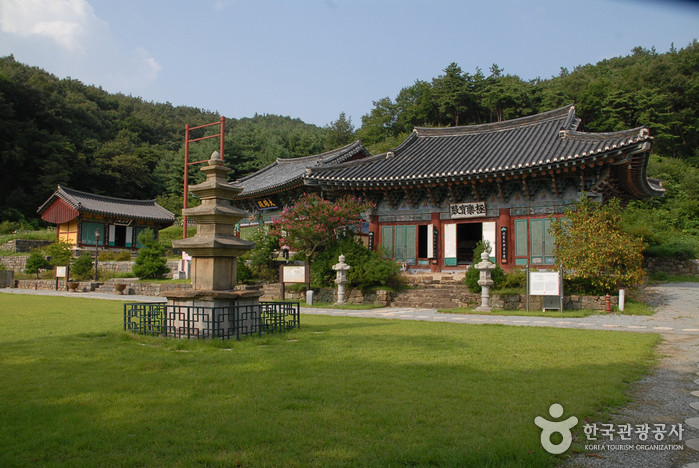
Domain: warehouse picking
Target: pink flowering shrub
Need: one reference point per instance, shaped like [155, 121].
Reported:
[312, 223]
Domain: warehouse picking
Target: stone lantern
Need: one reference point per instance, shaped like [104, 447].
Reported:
[485, 281]
[341, 268]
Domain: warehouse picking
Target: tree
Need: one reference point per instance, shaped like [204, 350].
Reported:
[151, 262]
[596, 255]
[261, 259]
[82, 267]
[312, 222]
[35, 263]
[339, 133]
[61, 252]
[452, 93]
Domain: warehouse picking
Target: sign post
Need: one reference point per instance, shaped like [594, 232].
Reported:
[549, 285]
[297, 274]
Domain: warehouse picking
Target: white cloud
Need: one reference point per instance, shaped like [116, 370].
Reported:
[66, 22]
[66, 38]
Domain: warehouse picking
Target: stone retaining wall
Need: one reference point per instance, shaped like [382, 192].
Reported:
[436, 294]
[671, 267]
[141, 289]
[18, 264]
[14, 263]
[24, 245]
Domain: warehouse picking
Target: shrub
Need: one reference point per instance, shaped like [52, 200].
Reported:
[8, 227]
[243, 273]
[61, 252]
[82, 267]
[473, 275]
[515, 279]
[35, 263]
[680, 249]
[594, 251]
[368, 268]
[108, 256]
[261, 260]
[166, 236]
[150, 262]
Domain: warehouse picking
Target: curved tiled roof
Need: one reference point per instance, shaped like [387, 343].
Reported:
[147, 210]
[494, 149]
[287, 173]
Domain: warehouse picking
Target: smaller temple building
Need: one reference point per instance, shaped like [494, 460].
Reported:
[280, 184]
[118, 222]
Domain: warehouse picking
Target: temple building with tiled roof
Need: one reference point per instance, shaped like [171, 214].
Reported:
[282, 182]
[444, 189]
[79, 215]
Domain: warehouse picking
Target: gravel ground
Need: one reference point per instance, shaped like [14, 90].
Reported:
[662, 397]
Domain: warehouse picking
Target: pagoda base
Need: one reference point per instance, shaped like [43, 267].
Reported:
[213, 314]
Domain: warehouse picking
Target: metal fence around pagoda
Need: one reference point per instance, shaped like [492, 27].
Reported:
[194, 322]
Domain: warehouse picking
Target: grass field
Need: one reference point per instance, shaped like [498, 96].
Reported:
[342, 391]
[632, 308]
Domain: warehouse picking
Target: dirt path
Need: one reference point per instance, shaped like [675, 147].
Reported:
[664, 396]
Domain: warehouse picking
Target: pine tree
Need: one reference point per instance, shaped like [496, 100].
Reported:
[151, 262]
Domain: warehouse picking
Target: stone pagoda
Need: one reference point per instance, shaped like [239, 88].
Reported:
[215, 248]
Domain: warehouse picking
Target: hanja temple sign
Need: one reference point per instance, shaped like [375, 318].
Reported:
[467, 210]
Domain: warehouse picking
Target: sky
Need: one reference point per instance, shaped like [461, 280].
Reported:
[312, 59]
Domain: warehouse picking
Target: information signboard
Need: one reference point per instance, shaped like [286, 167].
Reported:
[544, 283]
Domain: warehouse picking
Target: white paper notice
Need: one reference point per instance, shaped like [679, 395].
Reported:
[544, 284]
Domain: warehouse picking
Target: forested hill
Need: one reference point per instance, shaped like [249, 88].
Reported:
[643, 88]
[60, 131]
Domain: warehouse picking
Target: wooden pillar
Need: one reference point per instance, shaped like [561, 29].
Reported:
[374, 231]
[505, 222]
[436, 263]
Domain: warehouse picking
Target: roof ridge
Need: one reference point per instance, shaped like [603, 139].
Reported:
[498, 126]
[68, 191]
[312, 157]
[641, 132]
[345, 165]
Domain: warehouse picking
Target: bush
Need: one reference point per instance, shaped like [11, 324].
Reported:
[82, 267]
[679, 249]
[368, 268]
[35, 263]
[243, 273]
[594, 251]
[151, 262]
[8, 227]
[473, 275]
[123, 256]
[515, 279]
[167, 235]
[61, 252]
[261, 260]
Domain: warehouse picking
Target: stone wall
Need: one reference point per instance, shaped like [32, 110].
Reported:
[519, 302]
[141, 289]
[380, 298]
[671, 266]
[24, 245]
[14, 263]
[18, 263]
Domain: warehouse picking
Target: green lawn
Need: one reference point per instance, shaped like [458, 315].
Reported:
[342, 391]
[631, 308]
